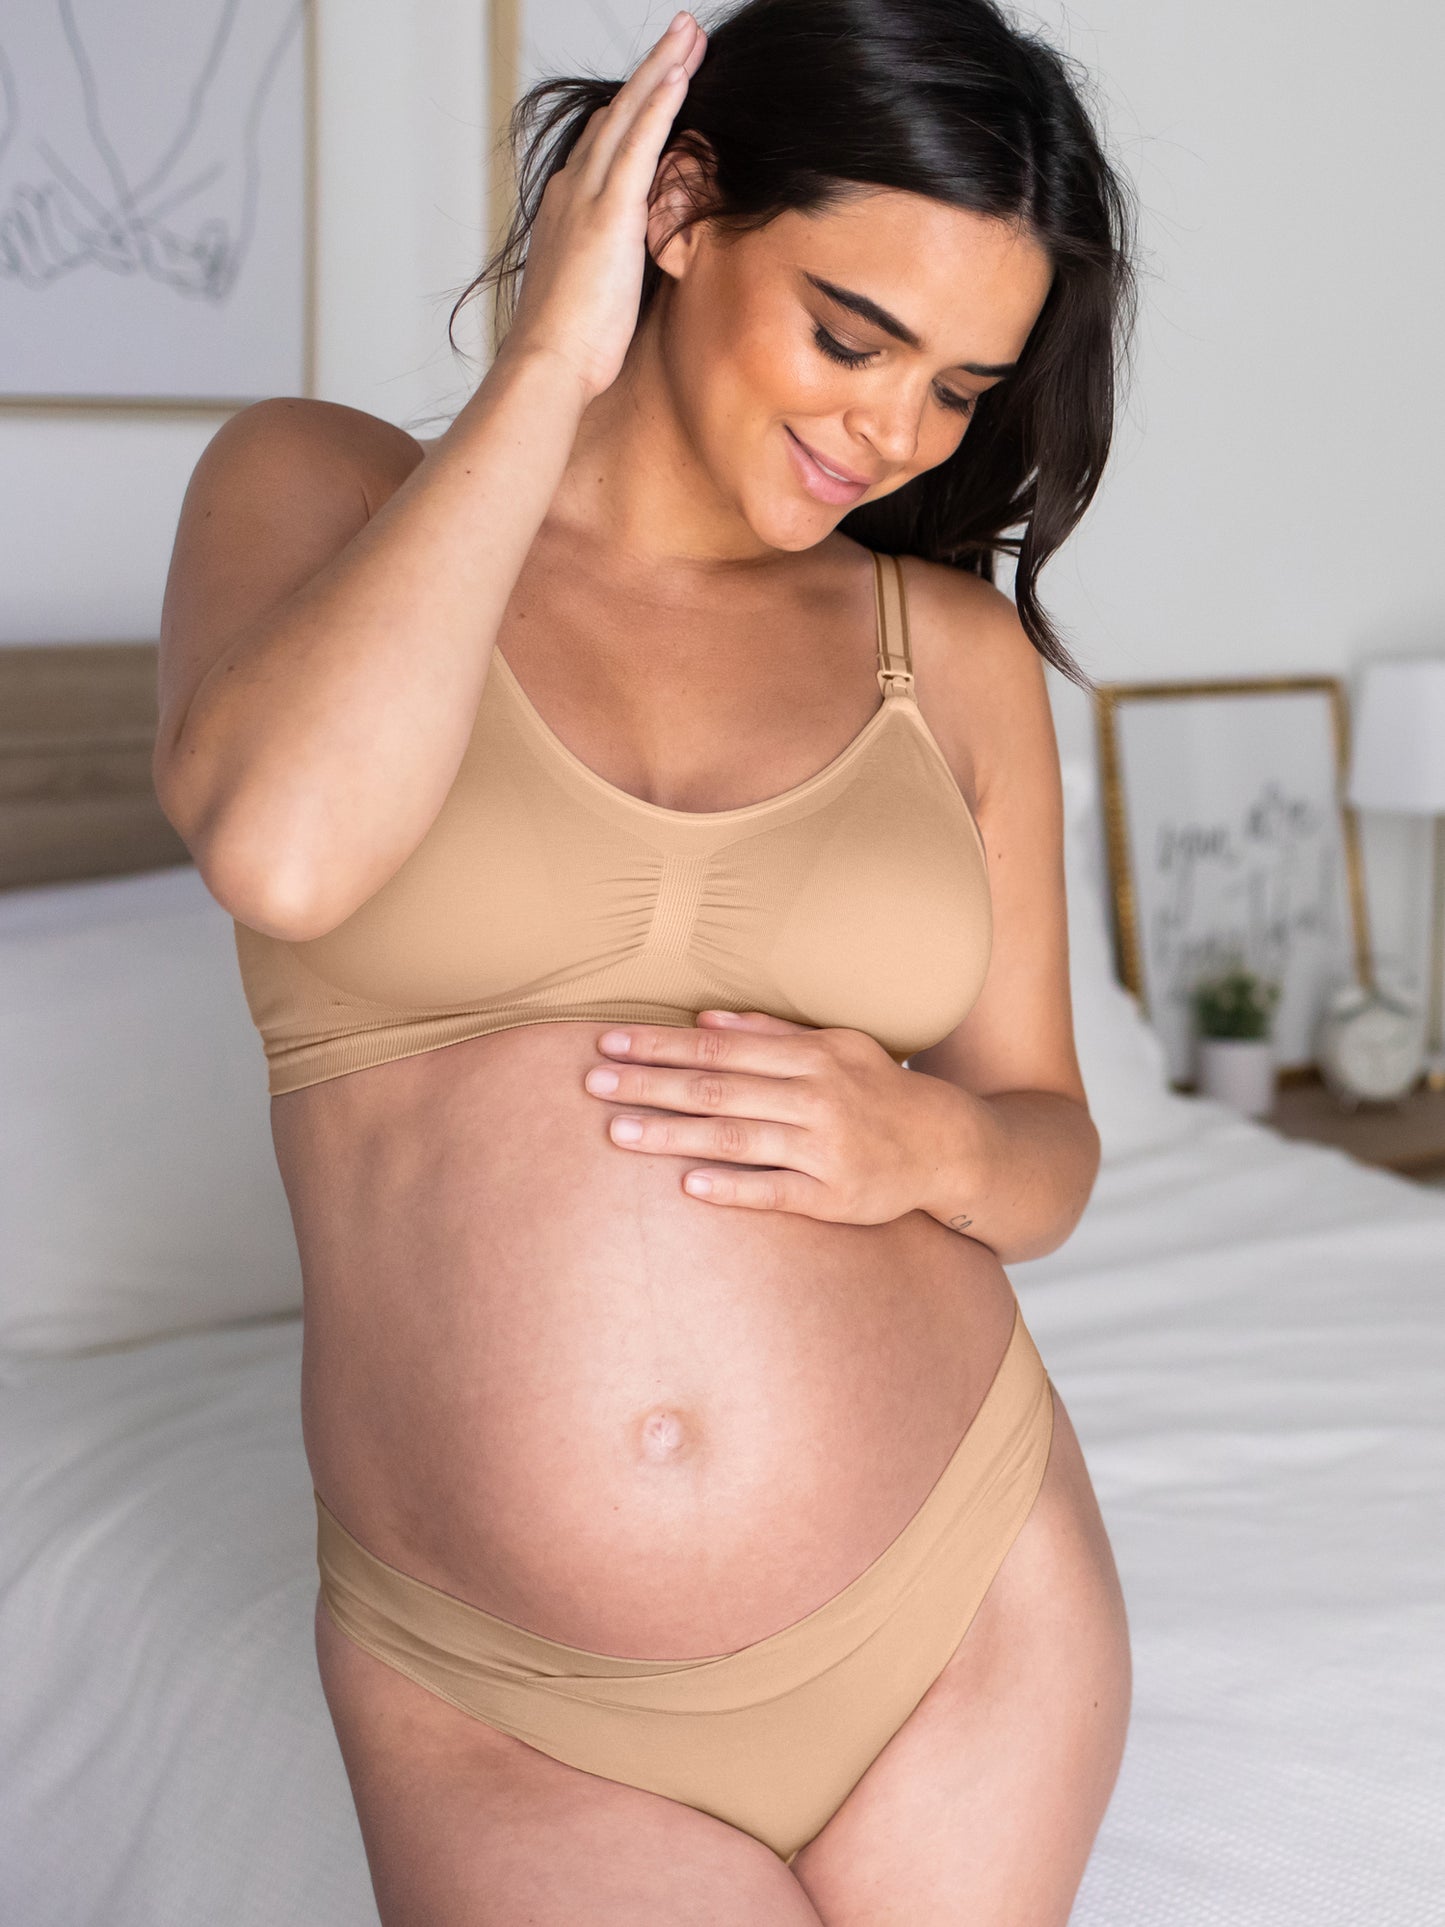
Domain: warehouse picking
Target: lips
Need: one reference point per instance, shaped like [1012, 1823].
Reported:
[832, 468]
[822, 478]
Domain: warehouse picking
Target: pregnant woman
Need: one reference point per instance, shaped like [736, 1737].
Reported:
[641, 817]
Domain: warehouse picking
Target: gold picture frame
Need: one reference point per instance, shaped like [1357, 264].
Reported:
[1224, 843]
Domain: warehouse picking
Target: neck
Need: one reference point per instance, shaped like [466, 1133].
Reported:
[635, 484]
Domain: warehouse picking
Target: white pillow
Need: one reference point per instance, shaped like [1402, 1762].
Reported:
[139, 1193]
[1121, 1057]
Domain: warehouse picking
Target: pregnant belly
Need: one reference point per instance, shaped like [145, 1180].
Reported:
[539, 1375]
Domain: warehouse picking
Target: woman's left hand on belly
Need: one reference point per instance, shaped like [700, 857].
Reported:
[841, 1129]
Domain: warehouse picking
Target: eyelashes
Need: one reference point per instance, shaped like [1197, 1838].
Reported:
[856, 357]
[835, 351]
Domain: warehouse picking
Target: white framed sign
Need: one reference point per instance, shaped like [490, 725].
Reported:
[157, 187]
[1229, 842]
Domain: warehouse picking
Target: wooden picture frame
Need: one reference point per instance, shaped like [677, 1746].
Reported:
[1228, 839]
[158, 188]
[504, 76]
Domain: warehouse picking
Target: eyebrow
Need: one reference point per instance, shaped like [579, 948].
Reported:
[869, 310]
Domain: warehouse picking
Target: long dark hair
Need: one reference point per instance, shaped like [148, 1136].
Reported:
[943, 98]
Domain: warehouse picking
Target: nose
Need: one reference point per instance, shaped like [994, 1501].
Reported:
[890, 423]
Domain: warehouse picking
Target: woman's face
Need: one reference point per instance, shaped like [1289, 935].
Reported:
[854, 340]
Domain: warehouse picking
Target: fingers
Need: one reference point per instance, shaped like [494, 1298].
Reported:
[634, 158]
[787, 1051]
[649, 90]
[704, 1093]
[759, 1190]
[668, 50]
[731, 1140]
[755, 1020]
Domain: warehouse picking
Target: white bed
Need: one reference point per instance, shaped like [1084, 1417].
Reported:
[1249, 1335]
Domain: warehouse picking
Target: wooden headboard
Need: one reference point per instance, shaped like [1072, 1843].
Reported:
[77, 726]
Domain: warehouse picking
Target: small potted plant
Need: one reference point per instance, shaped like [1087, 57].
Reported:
[1234, 1015]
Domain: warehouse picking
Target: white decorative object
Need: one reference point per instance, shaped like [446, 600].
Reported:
[1371, 1046]
[1238, 1071]
[1398, 763]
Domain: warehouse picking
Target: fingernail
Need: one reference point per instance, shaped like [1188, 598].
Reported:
[602, 1081]
[627, 1129]
[676, 21]
[615, 1040]
[697, 1182]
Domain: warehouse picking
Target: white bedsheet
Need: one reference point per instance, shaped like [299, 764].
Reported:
[1250, 1338]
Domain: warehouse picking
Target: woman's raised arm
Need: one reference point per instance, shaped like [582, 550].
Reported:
[332, 602]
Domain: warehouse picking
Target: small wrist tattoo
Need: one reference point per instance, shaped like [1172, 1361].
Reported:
[960, 1223]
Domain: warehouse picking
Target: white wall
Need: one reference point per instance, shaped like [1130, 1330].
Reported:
[1273, 502]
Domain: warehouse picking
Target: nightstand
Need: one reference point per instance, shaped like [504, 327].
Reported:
[1408, 1137]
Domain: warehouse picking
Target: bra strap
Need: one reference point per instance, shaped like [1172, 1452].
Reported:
[895, 659]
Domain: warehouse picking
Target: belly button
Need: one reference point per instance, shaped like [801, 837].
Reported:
[664, 1435]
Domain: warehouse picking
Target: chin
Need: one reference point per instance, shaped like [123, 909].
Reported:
[788, 520]
[795, 533]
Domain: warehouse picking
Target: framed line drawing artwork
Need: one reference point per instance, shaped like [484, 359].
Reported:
[1229, 842]
[157, 202]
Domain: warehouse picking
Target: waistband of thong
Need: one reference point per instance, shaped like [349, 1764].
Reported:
[976, 1503]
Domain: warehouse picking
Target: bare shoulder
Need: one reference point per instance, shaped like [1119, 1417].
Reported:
[980, 682]
[964, 626]
[318, 437]
[281, 487]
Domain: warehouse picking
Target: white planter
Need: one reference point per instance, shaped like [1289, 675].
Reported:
[1239, 1071]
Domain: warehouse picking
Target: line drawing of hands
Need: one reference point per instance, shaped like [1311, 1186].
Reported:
[67, 199]
[52, 210]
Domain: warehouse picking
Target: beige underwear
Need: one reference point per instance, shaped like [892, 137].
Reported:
[773, 1737]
